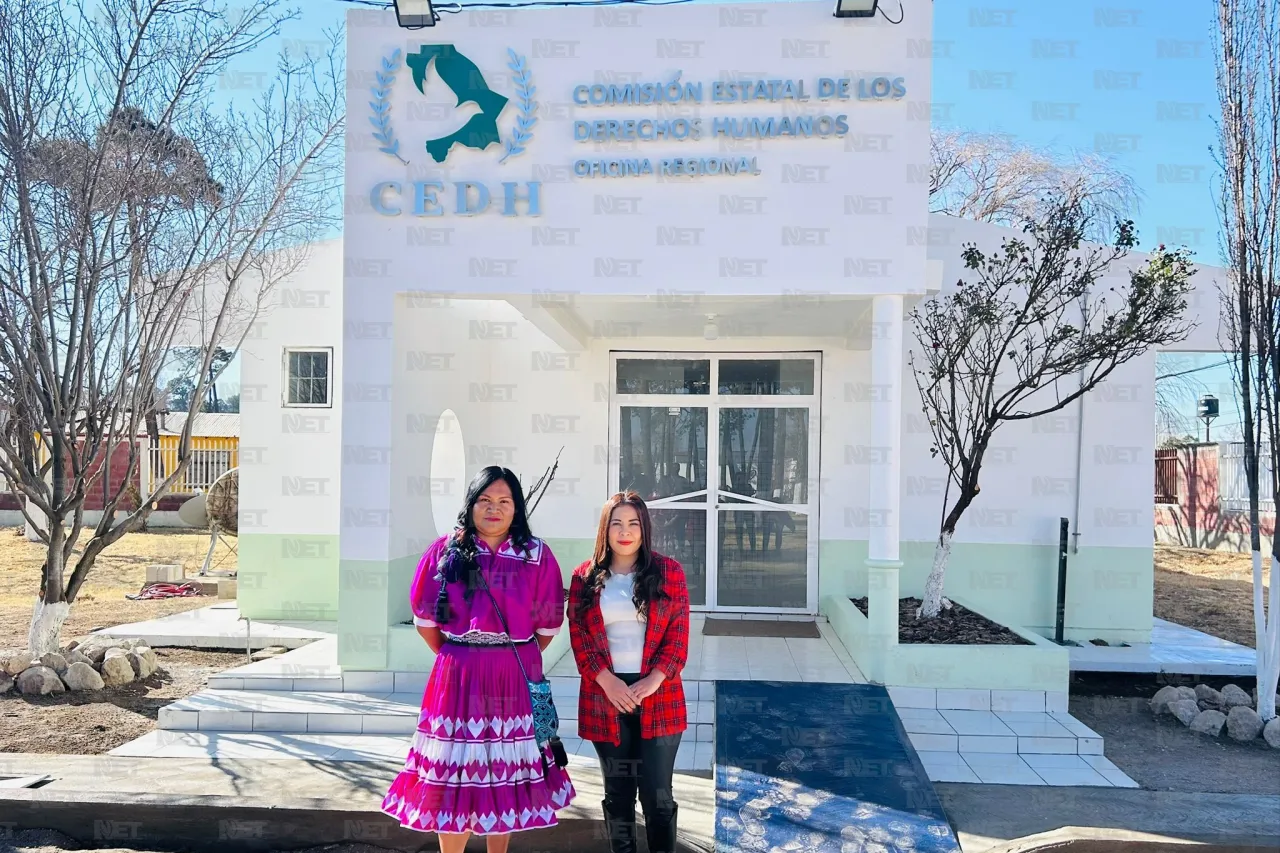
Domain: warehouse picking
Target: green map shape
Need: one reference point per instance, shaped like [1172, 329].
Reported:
[466, 82]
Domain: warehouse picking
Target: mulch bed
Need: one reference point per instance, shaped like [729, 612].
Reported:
[957, 626]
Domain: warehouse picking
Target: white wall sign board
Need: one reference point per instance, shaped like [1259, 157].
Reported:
[754, 148]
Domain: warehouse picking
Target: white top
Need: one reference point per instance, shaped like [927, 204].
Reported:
[623, 624]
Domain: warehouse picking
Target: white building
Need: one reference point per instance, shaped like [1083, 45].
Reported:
[733, 344]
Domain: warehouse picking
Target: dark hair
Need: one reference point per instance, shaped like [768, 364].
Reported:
[461, 559]
[648, 583]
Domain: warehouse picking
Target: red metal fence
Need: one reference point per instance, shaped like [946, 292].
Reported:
[1167, 476]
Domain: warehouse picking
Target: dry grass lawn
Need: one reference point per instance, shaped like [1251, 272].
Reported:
[120, 570]
[94, 723]
[1211, 591]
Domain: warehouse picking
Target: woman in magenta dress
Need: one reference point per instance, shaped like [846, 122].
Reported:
[475, 766]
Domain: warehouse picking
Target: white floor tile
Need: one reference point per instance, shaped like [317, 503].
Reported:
[959, 772]
[1073, 778]
[1055, 745]
[279, 722]
[962, 699]
[1089, 746]
[933, 742]
[914, 697]
[172, 718]
[1017, 700]
[1046, 728]
[829, 676]
[1005, 773]
[1056, 762]
[1109, 771]
[925, 722]
[335, 723]
[318, 685]
[997, 744]
[975, 722]
[226, 721]
[387, 724]
[993, 767]
[1072, 725]
[410, 682]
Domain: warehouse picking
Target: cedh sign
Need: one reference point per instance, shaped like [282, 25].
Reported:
[480, 130]
[785, 145]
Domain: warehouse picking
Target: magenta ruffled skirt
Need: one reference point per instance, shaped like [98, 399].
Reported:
[474, 765]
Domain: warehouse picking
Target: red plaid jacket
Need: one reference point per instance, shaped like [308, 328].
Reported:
[666, 647]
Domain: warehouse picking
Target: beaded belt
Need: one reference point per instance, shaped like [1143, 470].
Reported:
[483, 638]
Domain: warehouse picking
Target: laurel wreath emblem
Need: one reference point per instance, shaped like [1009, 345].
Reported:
[527, 107]
[381, 106]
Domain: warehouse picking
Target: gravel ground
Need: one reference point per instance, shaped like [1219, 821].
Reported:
[1163, 755]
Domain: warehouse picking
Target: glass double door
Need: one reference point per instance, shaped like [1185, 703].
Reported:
[724, 449]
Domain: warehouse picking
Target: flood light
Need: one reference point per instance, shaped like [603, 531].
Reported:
[856, 8]
[413, 14]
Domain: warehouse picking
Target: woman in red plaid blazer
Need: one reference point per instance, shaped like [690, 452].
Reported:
[629, 628]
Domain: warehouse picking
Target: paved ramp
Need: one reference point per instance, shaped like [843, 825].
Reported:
[820, 768]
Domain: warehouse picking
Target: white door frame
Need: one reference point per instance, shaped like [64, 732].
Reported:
[710, 504]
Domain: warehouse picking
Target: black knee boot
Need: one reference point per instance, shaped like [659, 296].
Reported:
[660, 830]
[620, 822]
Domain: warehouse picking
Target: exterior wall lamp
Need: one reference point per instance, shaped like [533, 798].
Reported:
[415, 14]
[711, 330]
[856, 8]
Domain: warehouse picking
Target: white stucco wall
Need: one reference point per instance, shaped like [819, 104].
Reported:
[291, 458]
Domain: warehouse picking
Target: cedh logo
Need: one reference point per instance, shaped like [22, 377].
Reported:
[466, 111]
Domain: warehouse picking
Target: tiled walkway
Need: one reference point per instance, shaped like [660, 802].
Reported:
[1173, 648]
[219, 626]
[302, 705]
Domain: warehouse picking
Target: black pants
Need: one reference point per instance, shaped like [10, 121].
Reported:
[644, 766]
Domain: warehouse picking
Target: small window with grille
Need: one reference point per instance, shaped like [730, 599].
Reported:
[308, 379]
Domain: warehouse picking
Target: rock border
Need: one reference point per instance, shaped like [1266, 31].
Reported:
[1210, 712]
[95, 663]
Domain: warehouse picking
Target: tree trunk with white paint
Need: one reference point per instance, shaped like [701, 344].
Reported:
[46, 626]
[934, 602]
[1267, 634]
[51, 605]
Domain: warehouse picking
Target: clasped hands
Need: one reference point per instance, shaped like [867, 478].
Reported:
[628, 698]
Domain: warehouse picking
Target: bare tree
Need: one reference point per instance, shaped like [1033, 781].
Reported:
[999, 348]
[1247, 39]
[993, 178]
[135, 217]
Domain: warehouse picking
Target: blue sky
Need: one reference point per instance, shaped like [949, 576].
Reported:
[1133, 79]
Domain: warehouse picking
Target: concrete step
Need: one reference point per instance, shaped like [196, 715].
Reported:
[1013, 732]
[350, 713]
[278, 711]
[285, 675]
[691, 755]
[322, 679]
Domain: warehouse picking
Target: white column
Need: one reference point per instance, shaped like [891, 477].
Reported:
[885, 477]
